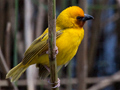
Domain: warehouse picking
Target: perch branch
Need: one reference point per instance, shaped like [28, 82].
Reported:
[52, 41]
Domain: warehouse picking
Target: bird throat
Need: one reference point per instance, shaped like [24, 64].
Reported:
[80, 23]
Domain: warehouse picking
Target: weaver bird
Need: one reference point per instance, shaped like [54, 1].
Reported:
[69, 34]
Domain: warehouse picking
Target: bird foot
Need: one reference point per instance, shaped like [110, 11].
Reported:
[58, 83]
[56, 51]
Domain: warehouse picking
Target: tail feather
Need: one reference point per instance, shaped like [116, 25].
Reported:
[16, 72]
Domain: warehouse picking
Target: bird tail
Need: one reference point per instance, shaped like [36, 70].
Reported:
[16, 72]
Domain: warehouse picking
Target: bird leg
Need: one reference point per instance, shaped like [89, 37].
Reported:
[56, 51]
[58, 83]
[47, 68]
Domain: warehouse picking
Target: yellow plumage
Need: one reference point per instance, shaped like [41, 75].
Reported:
[69, 34]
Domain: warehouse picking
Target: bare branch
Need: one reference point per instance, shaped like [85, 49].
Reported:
[106, 82]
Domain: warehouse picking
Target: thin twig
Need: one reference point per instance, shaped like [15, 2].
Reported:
[7, 43]
[52, 41]
[5, 68]
[106, 82]
[3, 63]
[64, 81]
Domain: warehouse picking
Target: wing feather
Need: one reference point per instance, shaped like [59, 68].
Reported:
[38, 47]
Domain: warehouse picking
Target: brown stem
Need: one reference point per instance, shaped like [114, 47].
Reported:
[52, 41]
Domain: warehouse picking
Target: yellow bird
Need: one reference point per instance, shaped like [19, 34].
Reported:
[69, 34]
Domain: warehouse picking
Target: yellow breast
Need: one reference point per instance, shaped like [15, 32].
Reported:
[67, 45]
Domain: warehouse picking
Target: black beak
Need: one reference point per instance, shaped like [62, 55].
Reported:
[87, 17]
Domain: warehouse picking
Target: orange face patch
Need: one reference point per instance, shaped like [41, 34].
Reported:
[80, 23]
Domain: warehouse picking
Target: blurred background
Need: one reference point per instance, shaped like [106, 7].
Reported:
[97, 63]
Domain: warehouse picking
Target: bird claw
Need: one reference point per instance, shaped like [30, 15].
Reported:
[56, 51]
[58, 83]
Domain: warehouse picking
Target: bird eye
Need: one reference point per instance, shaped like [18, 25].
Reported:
[79, 18]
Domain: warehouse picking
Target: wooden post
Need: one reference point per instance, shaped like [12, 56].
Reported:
[52, 41]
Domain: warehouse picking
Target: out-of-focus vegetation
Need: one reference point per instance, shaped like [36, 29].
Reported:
[97, 63]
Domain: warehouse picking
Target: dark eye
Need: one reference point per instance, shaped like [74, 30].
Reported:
[79, 18]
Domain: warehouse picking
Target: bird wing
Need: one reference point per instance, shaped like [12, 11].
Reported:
[38, 47]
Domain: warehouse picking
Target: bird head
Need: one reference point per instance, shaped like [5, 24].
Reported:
[72, 17]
